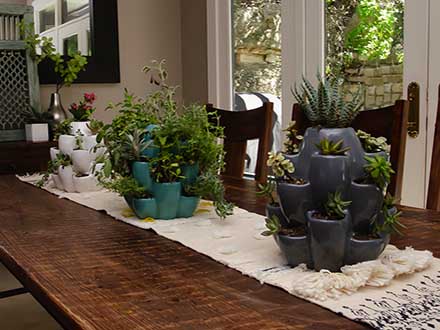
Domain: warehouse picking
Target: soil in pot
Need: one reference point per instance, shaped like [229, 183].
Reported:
[365, 236]
[298, 231]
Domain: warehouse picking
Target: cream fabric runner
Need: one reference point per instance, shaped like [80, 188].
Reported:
[400, 290]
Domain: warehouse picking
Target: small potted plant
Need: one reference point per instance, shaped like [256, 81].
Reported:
[65, 172]
[292, 241]
[82, 113]
[140, 199]
[37, 125]
[294, 193]
[81, 159]
[136, 145]
[333, 157]
[373, 146]
[66, 142]
[329, 228]
[85, 182]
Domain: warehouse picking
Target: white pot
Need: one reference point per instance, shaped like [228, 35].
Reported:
[57, 180]
[66, 176]
[82, 161]
[54, 153]
[81, 126]
[66, 144]
[89, 142]
[85, 184]
[37, 132]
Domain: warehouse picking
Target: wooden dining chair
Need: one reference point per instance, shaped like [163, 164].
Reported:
[390, 122]
[433, 202]
[239, 127]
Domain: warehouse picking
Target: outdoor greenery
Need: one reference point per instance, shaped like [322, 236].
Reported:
[326, 104]
[334, 206]
[327, 147]
[42, 48]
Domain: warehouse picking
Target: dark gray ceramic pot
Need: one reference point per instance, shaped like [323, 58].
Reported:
[356, 152]
[295, 249]
[329, 174]
[366, 202]
[295, 200]
[328, 241]
[272, 210]
[360, 250]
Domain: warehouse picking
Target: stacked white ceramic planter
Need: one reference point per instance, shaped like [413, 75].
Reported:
[79, 145]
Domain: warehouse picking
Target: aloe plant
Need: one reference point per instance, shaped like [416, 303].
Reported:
[273, 226]
[379, 170]
[326, 104]
[328, 147]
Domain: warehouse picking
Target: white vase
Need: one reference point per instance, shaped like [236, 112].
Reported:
[81, 126]
[57, 181]
[82, 161]
[66, 175]
[85, 184]
[54, 153]
[89, 142]
[66, 144]
[37, 132]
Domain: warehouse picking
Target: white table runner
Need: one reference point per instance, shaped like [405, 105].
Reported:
[400, 290]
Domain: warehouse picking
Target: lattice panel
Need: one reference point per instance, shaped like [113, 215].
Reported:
[14, 89]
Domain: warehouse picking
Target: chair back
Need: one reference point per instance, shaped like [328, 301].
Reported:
[390, 122]
[433, 202]
[241, 126]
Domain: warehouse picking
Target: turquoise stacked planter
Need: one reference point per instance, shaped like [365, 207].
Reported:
[168, 202]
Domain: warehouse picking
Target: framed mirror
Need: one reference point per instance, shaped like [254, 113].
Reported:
[87, 26]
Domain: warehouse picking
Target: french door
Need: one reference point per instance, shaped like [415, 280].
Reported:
[396, 46]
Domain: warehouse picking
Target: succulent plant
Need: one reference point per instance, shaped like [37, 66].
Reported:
[267, 190]
[334, 206]
[371, 143]
[293, 141]
[325, 105]
[280, 166]
[379, 170]
[273, 226]
[328, 147]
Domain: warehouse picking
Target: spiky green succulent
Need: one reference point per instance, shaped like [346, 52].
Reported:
[273, 226]
[328, 147]
[335, 206]
[326, 105]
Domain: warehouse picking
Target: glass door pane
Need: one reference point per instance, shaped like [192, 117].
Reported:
[257, 62]
[365, 47]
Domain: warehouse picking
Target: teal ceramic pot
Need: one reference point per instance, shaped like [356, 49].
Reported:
[295, 249]
[190, 172]
[141, 173]
[187, 206]
[328, 241]
[144, 207]
[152, 151]
[167, 197]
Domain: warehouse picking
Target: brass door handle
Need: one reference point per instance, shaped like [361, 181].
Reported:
[414, 110]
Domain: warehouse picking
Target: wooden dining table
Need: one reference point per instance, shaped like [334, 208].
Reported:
[91, 271]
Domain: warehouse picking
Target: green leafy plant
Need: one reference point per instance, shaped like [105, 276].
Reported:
[84, 110]
[95, 126]
[166, 167]
[79, 139]
[136, 145]
[62, 128]
[273, 226]
[334, 206]
[267, 190]
[325, 105]
[52, 168]
[34, 116]
[281, 166]
[67, 68]
[127, 187]
[371, 143]
[327, 147]
[379, 170]
[389, 201]
[293, 142]
[391, 220]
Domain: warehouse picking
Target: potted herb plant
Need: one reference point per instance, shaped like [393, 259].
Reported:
[37, 125]
[82, 113]
[343, 182]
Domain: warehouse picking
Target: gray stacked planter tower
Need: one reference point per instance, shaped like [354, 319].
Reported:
[329, 244]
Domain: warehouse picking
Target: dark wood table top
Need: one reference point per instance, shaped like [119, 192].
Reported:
[93, 272]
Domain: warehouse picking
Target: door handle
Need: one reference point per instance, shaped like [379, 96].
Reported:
[414, 110]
